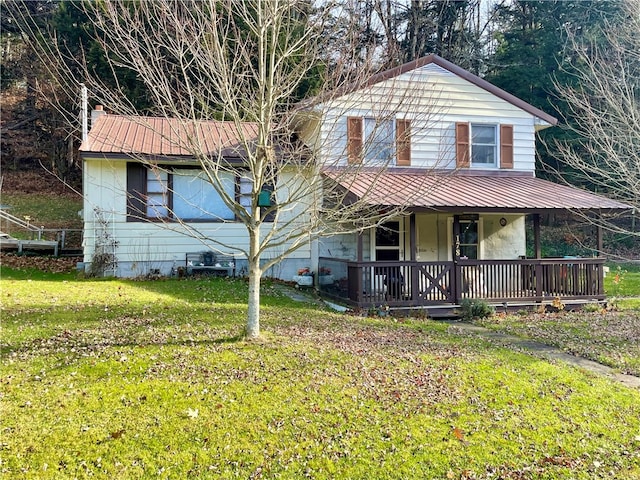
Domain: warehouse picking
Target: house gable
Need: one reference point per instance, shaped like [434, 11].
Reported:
[433, 97]
[430, 62]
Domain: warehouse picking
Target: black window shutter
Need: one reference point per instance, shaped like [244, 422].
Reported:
[136, 187]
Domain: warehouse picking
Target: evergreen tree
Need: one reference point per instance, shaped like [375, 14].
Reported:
[530, 57]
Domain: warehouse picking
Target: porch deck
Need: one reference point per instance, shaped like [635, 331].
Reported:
[407, 284]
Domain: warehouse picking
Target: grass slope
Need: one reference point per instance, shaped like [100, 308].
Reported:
[42, 209]
[123, 379]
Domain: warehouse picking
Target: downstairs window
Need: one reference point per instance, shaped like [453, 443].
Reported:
[183, 194]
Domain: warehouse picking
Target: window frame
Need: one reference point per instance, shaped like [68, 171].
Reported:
[399, 141]
[138, 194]
[371, 149]
[183, 196]
[465, 224]
[496, 143]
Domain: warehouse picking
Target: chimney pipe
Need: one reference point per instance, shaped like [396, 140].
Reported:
[83, 112]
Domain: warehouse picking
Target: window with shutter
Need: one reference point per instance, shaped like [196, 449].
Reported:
[171, 193]
[477, 145]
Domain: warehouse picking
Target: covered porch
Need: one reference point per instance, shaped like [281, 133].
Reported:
[511, 283]
[465, 238]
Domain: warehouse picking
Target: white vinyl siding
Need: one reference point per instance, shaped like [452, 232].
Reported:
[155, 242]
[434, 100]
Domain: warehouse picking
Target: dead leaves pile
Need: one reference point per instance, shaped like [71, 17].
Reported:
[43, 264]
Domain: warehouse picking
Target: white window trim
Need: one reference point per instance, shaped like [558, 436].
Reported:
[496, 145]
[401, 247]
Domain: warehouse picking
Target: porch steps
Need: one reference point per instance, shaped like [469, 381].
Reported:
[452, 312]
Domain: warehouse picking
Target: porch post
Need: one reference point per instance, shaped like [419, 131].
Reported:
[412, 237]
[600, 266]
[413, 247]
[358, 269]
[600, 239]
[538, 255]
[456, 290]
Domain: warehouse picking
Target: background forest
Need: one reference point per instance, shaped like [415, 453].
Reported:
[544, 52]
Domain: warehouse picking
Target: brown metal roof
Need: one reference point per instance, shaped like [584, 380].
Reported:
[115, 134]
[467, 191]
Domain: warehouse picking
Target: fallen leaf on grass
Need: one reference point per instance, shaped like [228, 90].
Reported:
[192, 413]
[459, 434]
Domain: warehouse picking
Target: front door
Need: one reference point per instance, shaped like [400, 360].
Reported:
[466, 237]
[467, 279]
[387, 247]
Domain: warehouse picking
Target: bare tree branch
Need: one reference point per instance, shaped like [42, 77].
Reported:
[604, 107]
[242, 62]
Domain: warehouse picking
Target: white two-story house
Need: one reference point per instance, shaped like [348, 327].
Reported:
[453, 154]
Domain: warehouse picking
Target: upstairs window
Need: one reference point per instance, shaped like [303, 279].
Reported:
[477, 145]
[483, 145]
[379, 137]
[378, 140]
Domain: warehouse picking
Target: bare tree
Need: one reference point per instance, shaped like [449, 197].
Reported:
[604, 106]
[244, 63]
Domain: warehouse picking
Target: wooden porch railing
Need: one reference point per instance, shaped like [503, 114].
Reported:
[401, 284]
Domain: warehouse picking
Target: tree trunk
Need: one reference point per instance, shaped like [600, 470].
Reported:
[255, 274]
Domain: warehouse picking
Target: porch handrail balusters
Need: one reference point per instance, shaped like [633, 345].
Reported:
[409, 284]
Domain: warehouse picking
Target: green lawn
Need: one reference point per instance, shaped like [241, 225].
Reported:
[623, 280]
[126, 379]
[610, 336]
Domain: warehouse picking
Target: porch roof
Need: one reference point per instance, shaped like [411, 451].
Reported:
[467, 191]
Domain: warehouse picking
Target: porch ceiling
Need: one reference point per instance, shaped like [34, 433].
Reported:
[467, 191]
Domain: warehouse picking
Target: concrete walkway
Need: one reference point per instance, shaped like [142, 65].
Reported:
[546, 351]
